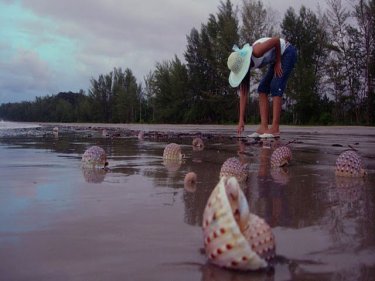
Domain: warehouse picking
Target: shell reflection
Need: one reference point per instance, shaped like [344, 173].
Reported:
[349, 189]
[233, 237]
[94, 175]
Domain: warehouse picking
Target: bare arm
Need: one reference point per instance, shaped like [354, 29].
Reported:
[260, 49]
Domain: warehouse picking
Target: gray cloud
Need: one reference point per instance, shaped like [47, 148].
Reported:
[106, 34]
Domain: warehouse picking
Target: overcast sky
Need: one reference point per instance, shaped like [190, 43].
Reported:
[51, 46]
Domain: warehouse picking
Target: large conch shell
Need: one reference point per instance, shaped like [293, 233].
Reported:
[349, 164]
[281, 156]
[94, 157]
[232, 167]
[233, 237]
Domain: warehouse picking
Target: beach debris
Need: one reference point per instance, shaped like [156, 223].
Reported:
[55, 132]
[349, 164]
[234, 238]
[94, 157]
[281, 156]
[172, 152]
[105, 133]
[141, 135]
[190, 182]
[198, 142]
[233, 167]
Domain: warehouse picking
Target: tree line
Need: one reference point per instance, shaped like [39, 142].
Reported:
[333, 81]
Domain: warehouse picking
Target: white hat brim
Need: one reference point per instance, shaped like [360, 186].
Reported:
[236, 78]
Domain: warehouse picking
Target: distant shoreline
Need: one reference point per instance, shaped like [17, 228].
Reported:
[222, 129]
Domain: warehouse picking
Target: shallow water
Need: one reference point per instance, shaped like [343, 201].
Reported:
[138, 222]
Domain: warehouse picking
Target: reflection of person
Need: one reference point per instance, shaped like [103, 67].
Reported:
[280, 56]
[270, 190]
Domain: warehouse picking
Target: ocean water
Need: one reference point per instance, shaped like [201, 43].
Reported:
[4, 125]
[137, 221]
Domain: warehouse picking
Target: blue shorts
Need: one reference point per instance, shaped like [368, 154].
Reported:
[270, 83]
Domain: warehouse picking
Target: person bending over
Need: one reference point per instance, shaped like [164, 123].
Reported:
[280, 57]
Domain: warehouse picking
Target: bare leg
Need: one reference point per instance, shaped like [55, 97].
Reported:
[276, 110]
[263, 110]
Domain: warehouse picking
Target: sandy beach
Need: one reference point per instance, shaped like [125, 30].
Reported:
[137, 221]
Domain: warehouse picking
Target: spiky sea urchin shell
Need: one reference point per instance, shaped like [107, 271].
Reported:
[232, 167]
[172, 152]
[349, 164]
[233, 237]
[94, 157]
[281, 156]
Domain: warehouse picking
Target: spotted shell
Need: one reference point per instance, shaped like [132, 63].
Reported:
[94, 157]
[232, 167]
[281, 156]
[349, 164]
[233, 237]
[172, 152]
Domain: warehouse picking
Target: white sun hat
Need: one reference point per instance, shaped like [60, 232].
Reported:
[239, 63]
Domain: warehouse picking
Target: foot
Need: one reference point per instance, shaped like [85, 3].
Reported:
[261, 130]
[273, 132]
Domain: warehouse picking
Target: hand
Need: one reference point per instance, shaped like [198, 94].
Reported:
[278, 69]
[240, 127]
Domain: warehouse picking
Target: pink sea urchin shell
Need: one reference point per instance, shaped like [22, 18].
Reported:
[233, 237]
[172, 152]
[190, 181]
[94, 157]
[281, 156]
[233, 167]
[349, 164]
[197, 142]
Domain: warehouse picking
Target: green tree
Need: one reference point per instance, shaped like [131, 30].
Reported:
[305, 32]
[210, 98]
[170, 82]
[257, 21]
[101, 98]
[365, 14]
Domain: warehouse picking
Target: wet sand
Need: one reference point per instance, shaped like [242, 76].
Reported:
[138, 222]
